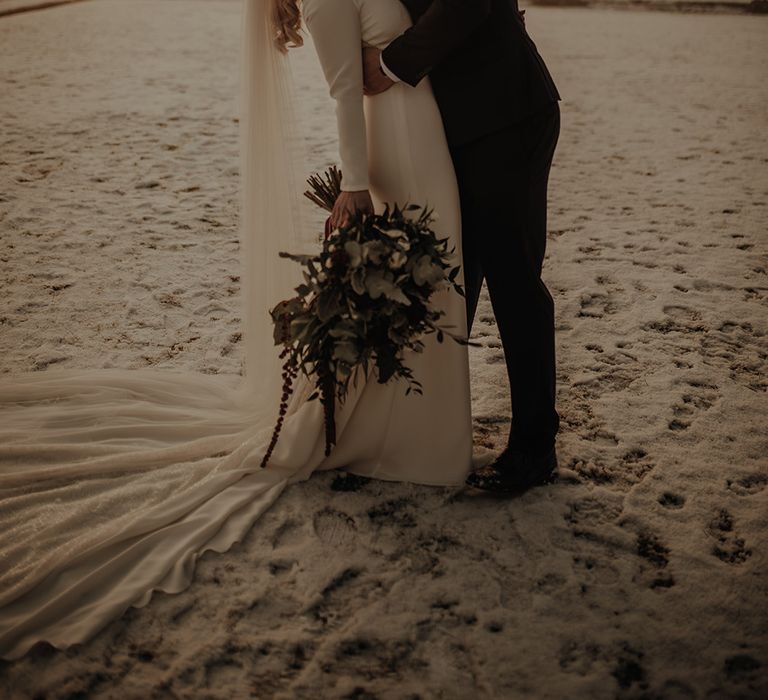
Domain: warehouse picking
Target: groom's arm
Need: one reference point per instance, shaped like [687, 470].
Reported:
[440, 30]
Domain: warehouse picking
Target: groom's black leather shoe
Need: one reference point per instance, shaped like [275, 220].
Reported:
[516, 470]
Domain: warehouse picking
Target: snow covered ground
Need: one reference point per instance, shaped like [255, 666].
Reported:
[640, 574]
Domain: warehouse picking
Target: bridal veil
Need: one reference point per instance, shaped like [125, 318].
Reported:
[113, 482]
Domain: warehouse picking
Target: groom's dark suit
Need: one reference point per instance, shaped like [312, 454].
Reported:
[499, 106]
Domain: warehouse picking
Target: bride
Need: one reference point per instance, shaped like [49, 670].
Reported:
[114, 482]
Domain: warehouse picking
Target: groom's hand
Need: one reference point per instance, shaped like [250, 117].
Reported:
[375, 81]
[347, 204]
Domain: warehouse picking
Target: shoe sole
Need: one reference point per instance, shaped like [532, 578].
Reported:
[551, 478]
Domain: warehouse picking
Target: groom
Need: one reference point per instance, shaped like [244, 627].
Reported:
[500, 109]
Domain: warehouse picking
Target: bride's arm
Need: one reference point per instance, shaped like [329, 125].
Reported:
[335, 29]
[442, 28]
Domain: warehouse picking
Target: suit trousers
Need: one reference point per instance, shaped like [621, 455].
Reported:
[503, 180]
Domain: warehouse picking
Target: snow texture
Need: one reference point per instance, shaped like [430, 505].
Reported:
[640, 574]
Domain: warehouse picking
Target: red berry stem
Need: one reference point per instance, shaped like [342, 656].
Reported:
[290, 370]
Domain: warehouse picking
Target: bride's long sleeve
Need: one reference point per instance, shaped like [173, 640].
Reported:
[336, 32]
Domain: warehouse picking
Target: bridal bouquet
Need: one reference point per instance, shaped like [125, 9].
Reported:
[364, 301]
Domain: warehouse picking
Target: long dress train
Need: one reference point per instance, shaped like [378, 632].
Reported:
[114, 482]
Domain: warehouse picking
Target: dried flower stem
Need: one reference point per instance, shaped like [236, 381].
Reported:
[325, 189]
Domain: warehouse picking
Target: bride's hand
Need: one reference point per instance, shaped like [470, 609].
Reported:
[347, 204]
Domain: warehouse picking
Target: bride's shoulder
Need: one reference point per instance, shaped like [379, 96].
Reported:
[309, 6]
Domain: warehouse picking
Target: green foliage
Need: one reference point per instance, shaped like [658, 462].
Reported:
[365, 299]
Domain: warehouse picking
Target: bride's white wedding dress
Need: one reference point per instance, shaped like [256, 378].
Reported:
[113, 482]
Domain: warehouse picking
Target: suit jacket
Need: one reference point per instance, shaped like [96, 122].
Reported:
[485, 70]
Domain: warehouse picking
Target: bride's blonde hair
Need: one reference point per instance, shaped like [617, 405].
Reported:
[287, 20]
